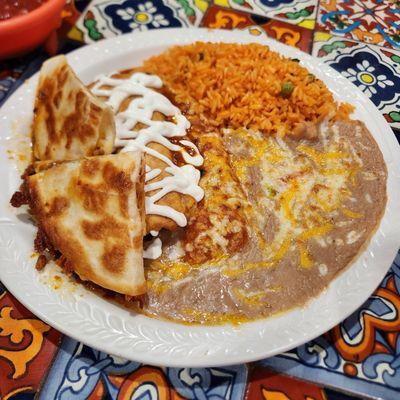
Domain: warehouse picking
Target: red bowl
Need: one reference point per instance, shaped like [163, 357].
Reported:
[25, 32]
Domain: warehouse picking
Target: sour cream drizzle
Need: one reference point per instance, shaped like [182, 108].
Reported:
[154, 249]
[184, 179]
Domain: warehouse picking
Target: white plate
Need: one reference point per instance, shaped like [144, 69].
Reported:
[113, 329]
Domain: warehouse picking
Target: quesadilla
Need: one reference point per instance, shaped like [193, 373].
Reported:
[69, 121]
[92, 212]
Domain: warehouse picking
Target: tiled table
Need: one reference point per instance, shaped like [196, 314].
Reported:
[361, 356]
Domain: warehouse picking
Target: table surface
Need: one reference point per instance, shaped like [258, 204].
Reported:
[358, 358]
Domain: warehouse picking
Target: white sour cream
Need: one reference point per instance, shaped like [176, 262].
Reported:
[154, 249]
[184, 179]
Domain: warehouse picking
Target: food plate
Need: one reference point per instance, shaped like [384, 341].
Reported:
[97, 322]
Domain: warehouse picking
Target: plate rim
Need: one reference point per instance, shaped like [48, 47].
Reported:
[178, 35]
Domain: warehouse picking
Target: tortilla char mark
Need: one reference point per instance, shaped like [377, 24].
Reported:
[78, 125]
[88, 211]
[72, 125]
[69, 122]
[58, 206]
[95, 198]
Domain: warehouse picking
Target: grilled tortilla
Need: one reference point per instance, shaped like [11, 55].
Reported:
[92, 211]
[69, 121]
[179, 202]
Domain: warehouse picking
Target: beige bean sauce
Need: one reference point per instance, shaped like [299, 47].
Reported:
[307, 208]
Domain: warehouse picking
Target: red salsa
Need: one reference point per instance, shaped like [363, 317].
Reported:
[14, 8]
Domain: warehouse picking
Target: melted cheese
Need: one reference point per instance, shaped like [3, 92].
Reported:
[255, 299]
[351, 214]
[304, 189]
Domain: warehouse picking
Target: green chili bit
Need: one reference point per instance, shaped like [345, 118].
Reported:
[286, 89]
[295, 60]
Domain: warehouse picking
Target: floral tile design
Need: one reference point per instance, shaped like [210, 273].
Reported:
[80, 5]
[375, 70]
[191, 10]
[301, 13]
[264, 384]
[10, 72]
[297, 12]
[108, 18]
[370, 21]
[360, 355]
[221, 17]
[27, 346]
[80, 372]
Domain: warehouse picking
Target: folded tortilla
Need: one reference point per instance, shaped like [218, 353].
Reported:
[92, 212]
[179, 202]
[69, 121]
[219, 225]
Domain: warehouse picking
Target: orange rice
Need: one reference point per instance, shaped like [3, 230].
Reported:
[235, 86]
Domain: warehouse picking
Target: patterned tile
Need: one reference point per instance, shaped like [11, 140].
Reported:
[297, 12]
[375, 70]
[79, 5]
[27, 346]
[221, 17]
[71, 14]
[80, 372]
[396, 131]
[15, 71]
[362, 354]
[301, 13]
[265, 384]
[331, 394]
[10, 71]
[369, 21]
[108, 18]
